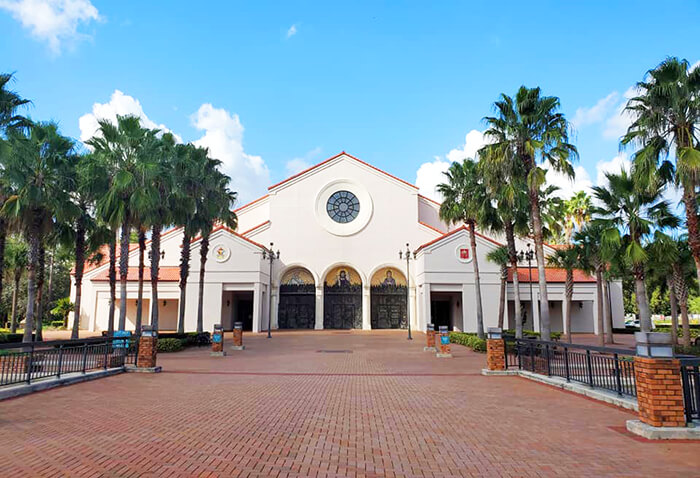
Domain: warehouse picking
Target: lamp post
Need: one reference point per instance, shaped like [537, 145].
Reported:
[409, 255]
[270, 255]
[528, 256]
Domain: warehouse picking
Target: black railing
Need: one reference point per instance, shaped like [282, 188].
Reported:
[27, 362]
[690, 377]
[599, 367]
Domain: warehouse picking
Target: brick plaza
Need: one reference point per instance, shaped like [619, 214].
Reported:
[325, 404]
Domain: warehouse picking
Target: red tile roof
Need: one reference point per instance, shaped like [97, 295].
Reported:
[343, 153]
[251, 203]
[254, 228]
[552, 274]
[454, 231]
[165, 274]
[228, 229]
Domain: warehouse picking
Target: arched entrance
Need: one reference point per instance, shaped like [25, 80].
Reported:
[388, 299]
[342, 299]
[297, 305]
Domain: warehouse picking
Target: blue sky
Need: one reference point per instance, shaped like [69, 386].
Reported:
[272, 87]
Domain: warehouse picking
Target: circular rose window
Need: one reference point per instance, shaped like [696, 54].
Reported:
[343, 206]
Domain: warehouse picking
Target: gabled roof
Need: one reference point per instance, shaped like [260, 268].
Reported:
[343, 153]
[255, 228]
[453, 232]
[233, 233]
[254, 201]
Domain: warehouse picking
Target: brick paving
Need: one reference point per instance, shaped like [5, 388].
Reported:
[325, 404]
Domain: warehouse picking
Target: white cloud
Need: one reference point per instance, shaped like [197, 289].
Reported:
[567, 186]
[597, 112]
[292, 31]
[619, 162]
[119, 104]
[299, 164]
[429, 175]
[53, 21]
[618, 123]
[223, 135]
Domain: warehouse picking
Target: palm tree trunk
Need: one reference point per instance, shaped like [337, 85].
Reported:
[203, 253]
[79, 268]
[685, 322]
[49, 290]
[536, 216]
[112, 282]
[40, 294]
[642, 301]
[15, 293]
[513, 253]
[674, 309]
[502, 302]
[599, 303]
[477, 281]
[3, 240]
[681, 289]
[155, 267]
[607, 313]
[691, 219]
[184, 274]
[139, 297]
[569, 294]
[123, 271]
[32, 264]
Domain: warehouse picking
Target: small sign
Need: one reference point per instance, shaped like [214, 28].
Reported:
[216, 338]
[121, 344]
[463, 253]
[221, 253]
[445, 339]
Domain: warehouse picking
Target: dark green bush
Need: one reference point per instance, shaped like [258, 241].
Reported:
[468, 340]
[170, 345]
[692, 350]
[531, 334]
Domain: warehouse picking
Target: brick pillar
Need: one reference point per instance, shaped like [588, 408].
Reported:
[430, 338]
[238, 336]
[148, 350]
[217, 341]
[443, 348]
[495, 354]
[659, 391]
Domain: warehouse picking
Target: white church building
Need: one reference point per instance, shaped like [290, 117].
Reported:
[339, 227]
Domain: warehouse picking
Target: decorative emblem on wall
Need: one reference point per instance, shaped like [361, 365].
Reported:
[221, 253]
[464, 253]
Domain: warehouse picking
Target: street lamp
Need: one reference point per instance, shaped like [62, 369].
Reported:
[409, 255]
[270, 255]
[528, 256]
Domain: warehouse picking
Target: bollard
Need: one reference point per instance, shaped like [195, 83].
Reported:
[217, 341]
[443, 348]
[430, 339]
[495, 349]
[238, 336]
[147, 352]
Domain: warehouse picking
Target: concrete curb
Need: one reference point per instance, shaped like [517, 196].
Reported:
[663, 433]
[132, 369]
[20, 389]
[581, 389]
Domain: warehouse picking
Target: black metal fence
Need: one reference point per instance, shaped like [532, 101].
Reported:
[27, 362]
[690, 377]
[599, 367]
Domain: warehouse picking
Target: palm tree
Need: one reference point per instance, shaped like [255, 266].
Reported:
[38, 168]
[465, 201]
[567, 259]
[578, 213]
[10, 104]
[123, 148]
[666, 114]
[592, 260]
[529, 131]
[215, 205]
[629, 213]
[510, 217]
[501, 258]
[16, 258]
[112, 274]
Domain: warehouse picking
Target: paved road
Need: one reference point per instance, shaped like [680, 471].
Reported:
[325, 404]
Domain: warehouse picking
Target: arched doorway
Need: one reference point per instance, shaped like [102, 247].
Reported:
[388, 299]
[342, 299]
[297, 305]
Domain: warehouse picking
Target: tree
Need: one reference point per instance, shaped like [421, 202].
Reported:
[592, 260]
[666, 115]
[577, 213]
[124, 147]
[464, 200]
[528, 130]
[10, 120]
[16, 264]
[38, 168]
[510, 215]
[214, 206]
[501, 258]
[63, 307]
[567, 259]
[628, 215]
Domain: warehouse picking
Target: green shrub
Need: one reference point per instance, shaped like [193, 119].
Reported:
[468, 340]
[693, 332]
[531, 334]
[170, 345]
[692, 350]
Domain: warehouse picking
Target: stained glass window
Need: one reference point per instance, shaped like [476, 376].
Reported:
[343, 206]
